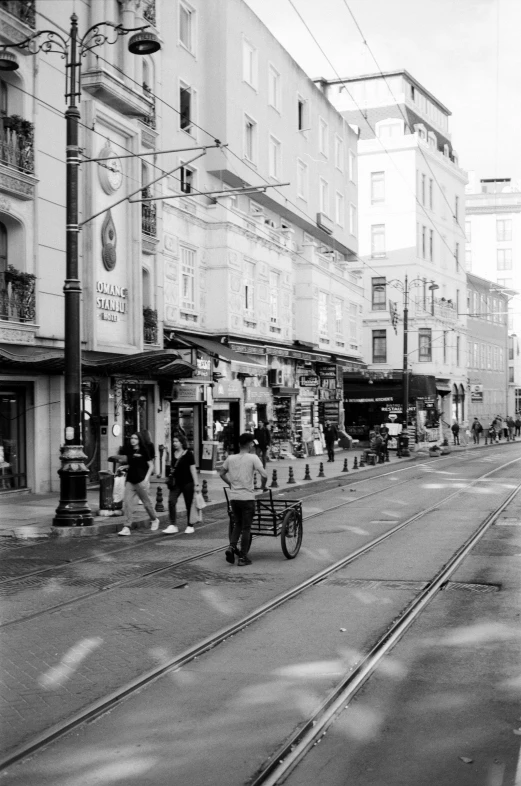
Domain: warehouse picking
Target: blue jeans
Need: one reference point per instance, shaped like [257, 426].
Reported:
[243, 511]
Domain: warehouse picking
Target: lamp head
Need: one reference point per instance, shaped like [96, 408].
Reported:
[8, 61]
[144, 43]
[433, 286]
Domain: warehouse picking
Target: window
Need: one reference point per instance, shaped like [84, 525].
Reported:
[424, 242]
[468, 259]
[249, 64]
[352, 166]
[468, 231]
[250, 139]
[389, 129]
[456, 255]
[339, 316]
[378, 240]
[379, 346]
[249, 286]
[339, 153]
[323, 188]
[511, 374]
[275, 158]
[458, 343]
[456, 209]
[431, 245]
[504, 229]
[186, 27]
[504, 258]
[274, 88]
[185, 108]
[323, 137]
[379, 294]
[323, 329]
[423, 187]
[431, 193]
[505, 282]
[302, 179]
[352, 220]
[339, 208]
[274, 296]
[377, 187]
[187, 278]
[302, 124]
[187, 177]
[425, 345]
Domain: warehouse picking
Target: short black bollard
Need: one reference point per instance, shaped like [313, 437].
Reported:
[160, 508]
[345, 468]
[307, 476]
[355, 463]
[321, 473]
[291, 479]
[362, 462]
[274, 484]
[204, 491]
[387, 457]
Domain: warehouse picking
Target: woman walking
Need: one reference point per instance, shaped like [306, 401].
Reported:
[139, 465]
[183, 480]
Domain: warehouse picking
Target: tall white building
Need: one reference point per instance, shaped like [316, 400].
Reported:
[411, 223]
[493, 251]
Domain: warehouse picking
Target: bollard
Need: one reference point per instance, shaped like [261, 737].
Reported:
[204, 491]
[362, 462]
[307, 476]
[321, 473]
[160, 508]
[387, 458]
[274, 484]
[355, 463]
[291, 478]
[345, 468]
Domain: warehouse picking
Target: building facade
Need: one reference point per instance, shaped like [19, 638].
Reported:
[493, 251]
[411, 224]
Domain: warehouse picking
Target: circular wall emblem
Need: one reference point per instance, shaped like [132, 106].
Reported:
[110, 172]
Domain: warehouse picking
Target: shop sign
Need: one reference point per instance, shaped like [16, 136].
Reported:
[373, 400]
[186, 393]
[309, 381]
[248, 350]
[227, 389]
[476, 393]
[326, 370]
[111, 300]
[203, 366]
[257, 395]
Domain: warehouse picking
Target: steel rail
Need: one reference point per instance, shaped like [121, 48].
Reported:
[288, 756]
[109, 701]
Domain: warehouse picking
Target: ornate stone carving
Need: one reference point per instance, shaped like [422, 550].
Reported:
[5, 204]
[17, 336]
[108, 242]
[16, 185]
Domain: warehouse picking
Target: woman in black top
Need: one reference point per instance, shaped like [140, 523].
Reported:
[139, 465]
[183, 480]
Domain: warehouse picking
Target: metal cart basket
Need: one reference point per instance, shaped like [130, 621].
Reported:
[276, 518]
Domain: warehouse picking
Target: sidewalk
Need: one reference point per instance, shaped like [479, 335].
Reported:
[27, 516]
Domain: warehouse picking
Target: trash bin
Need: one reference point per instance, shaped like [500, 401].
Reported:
[107, 506]
[403, 445]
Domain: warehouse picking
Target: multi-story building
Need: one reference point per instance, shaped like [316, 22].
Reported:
[411, 223]
[196, 309]
[488, 350]
[493, 251]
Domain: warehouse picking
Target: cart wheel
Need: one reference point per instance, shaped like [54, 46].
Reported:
[291, 534]
[230, 530]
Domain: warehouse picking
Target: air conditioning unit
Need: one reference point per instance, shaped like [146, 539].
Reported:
[274, 376]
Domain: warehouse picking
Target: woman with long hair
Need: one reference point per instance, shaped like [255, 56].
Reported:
[139, 465]
[182, 480]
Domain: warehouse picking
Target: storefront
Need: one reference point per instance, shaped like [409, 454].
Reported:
[13, 447]
[227, 400]
[258, 403]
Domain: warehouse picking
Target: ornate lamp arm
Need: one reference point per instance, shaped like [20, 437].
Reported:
[94, 37]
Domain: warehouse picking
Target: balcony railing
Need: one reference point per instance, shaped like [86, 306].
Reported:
[24, 10]
[150, 119]
[148, 215]
[150, 326]
[17, 143]
[17, 296]
[150, 12]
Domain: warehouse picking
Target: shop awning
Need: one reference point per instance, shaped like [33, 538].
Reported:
[422, 386]
[443, 387]
[162, 362]
[221, 351]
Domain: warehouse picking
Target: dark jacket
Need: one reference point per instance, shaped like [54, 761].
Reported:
[263, 437]
[330, 434]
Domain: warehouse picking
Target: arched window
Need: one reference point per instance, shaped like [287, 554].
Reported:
[3, 248]
[147, 300]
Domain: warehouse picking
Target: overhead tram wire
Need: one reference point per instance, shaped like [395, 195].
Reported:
[404, 116]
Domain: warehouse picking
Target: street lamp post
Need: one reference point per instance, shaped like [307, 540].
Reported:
[73, 509]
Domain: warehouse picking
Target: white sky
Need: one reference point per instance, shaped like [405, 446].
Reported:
[466, 52]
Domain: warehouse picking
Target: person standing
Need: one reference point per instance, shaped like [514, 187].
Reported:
[330, 436]
[237, 472]
[262, 438]
[183, 480]
[139, 465]
[511, 428]
[476, 429]
[517, 424]
[455, 432]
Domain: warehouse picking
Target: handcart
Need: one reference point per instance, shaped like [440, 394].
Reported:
[276, 518]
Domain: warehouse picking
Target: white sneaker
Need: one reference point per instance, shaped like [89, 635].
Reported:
[189, 531]
[154, 525]
[170, 530]
[124, 531]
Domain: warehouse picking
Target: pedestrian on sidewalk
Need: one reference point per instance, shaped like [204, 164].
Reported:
[263, 440]
[330, 436]
[237, 472]
[139, 464]
[511, 428]
[182, 480]
[455, 432]
[517, 423]
[476, 429]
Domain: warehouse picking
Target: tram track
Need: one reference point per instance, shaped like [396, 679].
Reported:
[334, 703]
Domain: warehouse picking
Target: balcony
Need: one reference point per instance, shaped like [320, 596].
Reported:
[149, 13]
[17, 157]
[23, 11]
[150, 331]
[17, 296]
[104, 85]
